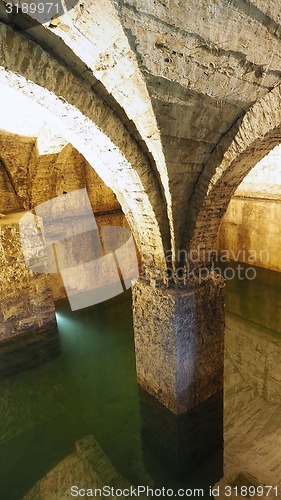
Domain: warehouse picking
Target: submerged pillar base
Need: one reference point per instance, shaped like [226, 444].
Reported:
[179, 342]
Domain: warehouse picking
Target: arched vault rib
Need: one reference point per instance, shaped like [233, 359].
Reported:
[96, 132]
[90, 39]
[247, 142]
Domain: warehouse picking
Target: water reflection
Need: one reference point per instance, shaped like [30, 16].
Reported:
[189, 445]
[91, 389]
[257, 300]
[28, 350]
[252, 416]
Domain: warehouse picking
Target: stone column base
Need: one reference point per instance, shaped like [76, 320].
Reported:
[179, 342]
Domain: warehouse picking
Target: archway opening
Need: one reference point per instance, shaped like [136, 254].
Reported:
[48, 408]
[248, 247]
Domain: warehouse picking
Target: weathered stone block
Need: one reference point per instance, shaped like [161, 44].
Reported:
[179, 342]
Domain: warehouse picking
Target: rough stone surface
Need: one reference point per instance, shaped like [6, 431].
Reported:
[172, 104]
[203, 71]
[96, 132]
[30, 178]
[179, 342]
[21, 290]
[206, 103]
[239, 150]
[9, 199]
[89, 467]
[27, 306]
[114, 218]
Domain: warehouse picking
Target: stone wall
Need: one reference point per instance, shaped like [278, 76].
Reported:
[28, 331]
[31, 176]
[251, 230]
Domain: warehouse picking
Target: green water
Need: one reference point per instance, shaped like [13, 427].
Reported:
[91, 389]
[256, 300]
[86, 390]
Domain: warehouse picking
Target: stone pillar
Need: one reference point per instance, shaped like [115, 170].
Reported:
[179, 341]
[28, 328]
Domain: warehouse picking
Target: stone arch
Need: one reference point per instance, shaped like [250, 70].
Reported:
[96, 132]
[246, 143]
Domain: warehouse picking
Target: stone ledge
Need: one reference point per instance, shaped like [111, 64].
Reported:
[89, 467]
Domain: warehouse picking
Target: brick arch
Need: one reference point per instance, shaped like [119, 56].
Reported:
[96, 132]
[246, 143]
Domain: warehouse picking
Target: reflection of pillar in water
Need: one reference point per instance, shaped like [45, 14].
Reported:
[187, 444]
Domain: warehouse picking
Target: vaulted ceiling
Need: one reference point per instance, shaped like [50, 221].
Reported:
[183, 78]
